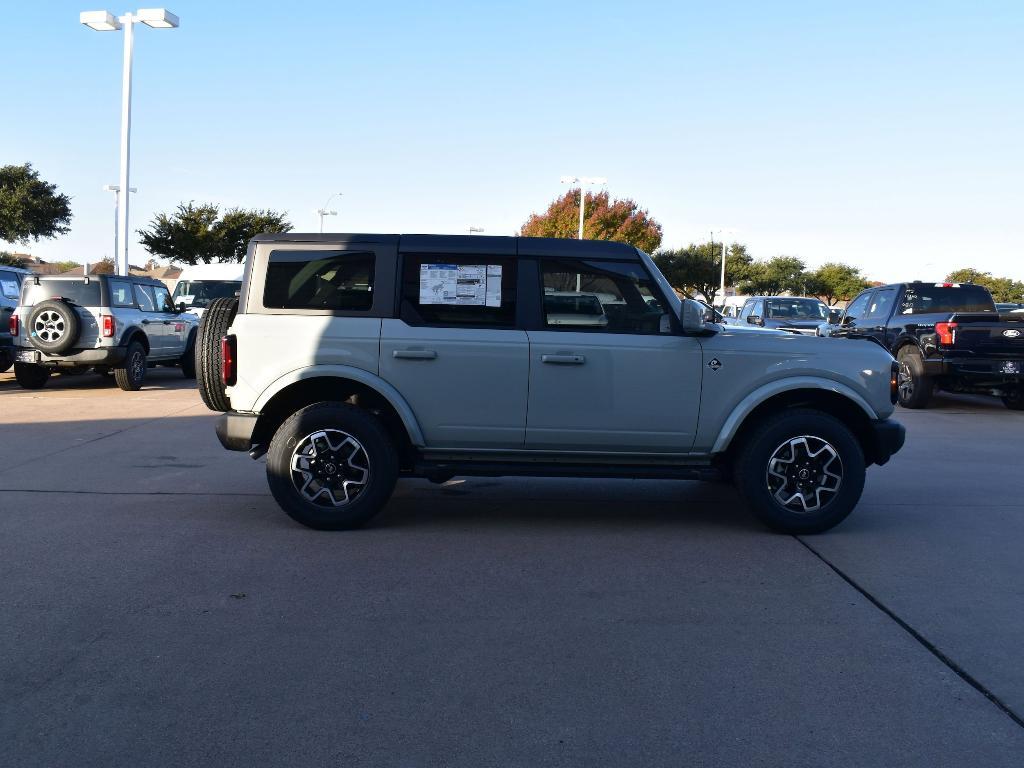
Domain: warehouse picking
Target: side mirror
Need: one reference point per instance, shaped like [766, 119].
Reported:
[834, 315]
[692, 317]
[181, 307]
[754, 319]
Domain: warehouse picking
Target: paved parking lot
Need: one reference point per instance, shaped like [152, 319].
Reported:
[156, 608]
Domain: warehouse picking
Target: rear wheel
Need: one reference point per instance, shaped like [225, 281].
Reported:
[188, 360]
[332, 466]
[1015, 400]
[801, 471]
[212, 328]
[130, 376]
[31, 376]
[914, 386]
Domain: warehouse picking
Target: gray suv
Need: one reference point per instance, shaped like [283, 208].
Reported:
[353, 360]
[110, 323]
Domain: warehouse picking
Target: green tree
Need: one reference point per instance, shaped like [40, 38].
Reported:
[30, 208]
[1001, 288]
[10, 260]
[777, 275]
[835, 282]
[697, 268]
[196, 234]
[605, 219]
[67, 266]
[104, 266]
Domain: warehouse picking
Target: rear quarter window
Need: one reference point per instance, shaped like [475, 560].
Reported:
[320, 280]
[9, 284]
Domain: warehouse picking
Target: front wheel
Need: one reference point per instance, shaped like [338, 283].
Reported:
[188, 360]
[332, 466]
[801, 471]
[130, 376]
[914, 386]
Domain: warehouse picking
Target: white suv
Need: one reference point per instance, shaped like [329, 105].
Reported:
[356, 359]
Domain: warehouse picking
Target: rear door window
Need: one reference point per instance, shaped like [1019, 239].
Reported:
[324, 280]
[463, 290]
[9, 285]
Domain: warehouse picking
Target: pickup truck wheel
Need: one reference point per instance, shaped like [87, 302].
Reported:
[332, 466]
[130, 376]
[212, 328]
[801, 471]
[188, 359]
[1014, 401]
[31, 376]
[914, 386]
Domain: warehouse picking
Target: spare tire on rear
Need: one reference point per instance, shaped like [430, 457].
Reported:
[53, 326]
[212, 328]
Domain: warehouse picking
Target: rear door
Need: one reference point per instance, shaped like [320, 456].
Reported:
[455, 351]
[151, 320]
[625, 382]
[174, 333]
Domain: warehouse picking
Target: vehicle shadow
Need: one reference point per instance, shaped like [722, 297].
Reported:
[948, 402]
[156, 378]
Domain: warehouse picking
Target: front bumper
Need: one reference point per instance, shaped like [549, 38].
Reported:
[234, 430]
[887, 437]
[111, 356]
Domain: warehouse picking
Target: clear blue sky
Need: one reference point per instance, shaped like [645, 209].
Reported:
[887, 134]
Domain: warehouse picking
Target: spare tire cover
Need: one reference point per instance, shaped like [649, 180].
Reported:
[53, 326]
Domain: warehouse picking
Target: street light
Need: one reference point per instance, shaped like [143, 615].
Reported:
[116, 189]
[581, 180]
[104, 21]
[724, 233]
[475, 229]
[321, 212]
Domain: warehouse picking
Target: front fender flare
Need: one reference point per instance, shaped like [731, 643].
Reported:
[371, 380]
[762, 393]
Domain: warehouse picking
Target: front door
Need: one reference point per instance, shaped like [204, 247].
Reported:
[609, 370]
[152, 321]
[455, 352]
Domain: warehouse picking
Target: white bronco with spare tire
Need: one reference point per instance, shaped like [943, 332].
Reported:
[109, 323]
[353, 360]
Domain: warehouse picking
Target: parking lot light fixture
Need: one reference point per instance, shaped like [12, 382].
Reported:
[325, 211]
[581, 181]
[104, 21]
[474, 230]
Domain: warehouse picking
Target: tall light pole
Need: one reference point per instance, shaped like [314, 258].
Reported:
[104, 21]
[324, 211]
[116, 189]
[581, 181]
[473, 230]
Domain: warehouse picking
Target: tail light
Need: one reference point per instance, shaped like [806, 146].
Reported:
[946, 333]
[228, 355]
[12, 325]
[108, 326]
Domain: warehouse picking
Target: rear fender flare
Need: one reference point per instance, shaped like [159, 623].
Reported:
[746, 406]
[371, 380]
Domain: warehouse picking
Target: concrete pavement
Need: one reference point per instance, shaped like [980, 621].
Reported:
[158, 608]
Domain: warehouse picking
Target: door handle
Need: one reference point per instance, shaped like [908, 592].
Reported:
[563, 359]
[167, 322]
[414, 354]
[145, 322]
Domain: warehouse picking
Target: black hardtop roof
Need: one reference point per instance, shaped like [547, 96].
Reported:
[766, 296]
[482, 244]
[142, 279]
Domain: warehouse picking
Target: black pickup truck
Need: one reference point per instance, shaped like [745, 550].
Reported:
[944, 335]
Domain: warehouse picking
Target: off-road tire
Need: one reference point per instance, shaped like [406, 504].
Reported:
[381, 460]
[188, 359]
[6, 359]
[212, 328]
[132, 373]
[65, 325]
[31, 376]
[763, 444]
[915, 386]
[1015, 401]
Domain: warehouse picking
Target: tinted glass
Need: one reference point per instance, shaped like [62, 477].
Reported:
[144, 295]
[796, 309]
[459, 291]
[120, 294]
[77, 291]
[857, 306]
[601, 296]
[163, 299]
[921, 298]
[342, 282]
[9, 284]
[881, 304]
[204, 291]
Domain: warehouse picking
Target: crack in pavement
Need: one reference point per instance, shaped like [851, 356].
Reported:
[959, 671]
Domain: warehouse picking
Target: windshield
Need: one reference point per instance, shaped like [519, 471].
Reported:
[202, 292]
[796, 309]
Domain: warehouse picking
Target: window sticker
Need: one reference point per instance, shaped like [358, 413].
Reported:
[461, 284]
